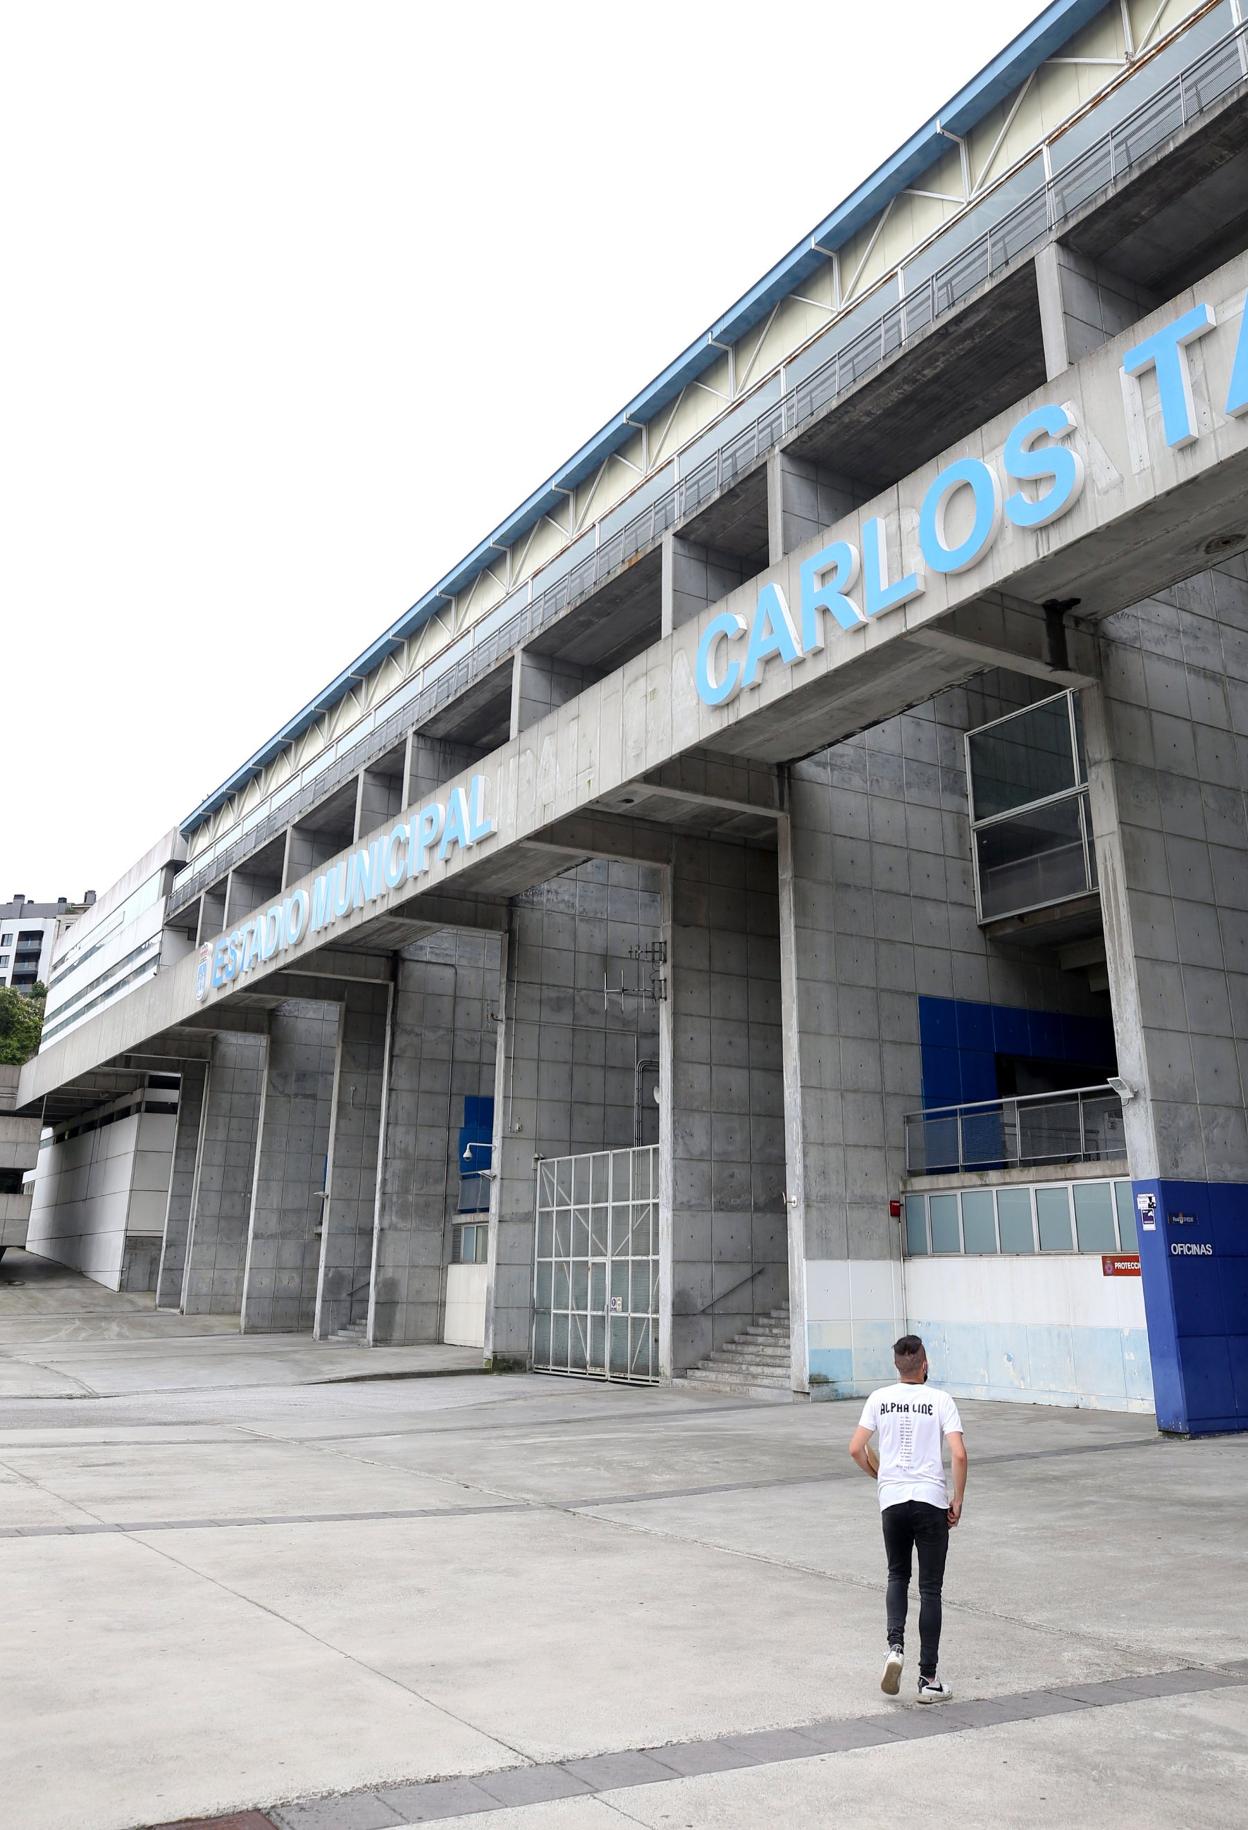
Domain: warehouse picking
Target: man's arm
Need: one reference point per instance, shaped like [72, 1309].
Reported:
[858, 1448]
[957, 1457]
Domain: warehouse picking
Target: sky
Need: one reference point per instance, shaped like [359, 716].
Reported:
[301, 299]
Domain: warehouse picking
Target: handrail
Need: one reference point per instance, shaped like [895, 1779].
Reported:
[1017, 233]
[733, 1288]
[995, 1134]
[1013, 1099]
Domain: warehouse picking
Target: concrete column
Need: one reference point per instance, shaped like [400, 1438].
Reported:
[247, 889]
[355, 1127]
[694, 576]
[221, 1207]
[211, 915]
[1167, 770]
[539, 684]
[566, 1079]
[379, 797]
[724, 1164]
[803, 500]
[447, 996]
[186, 1155]
[883, 958]
[304, 851]
[1082, 305]
[432, 762]
[284, 1233]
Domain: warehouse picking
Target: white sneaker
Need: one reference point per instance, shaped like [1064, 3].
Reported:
[890, 1683]
[933, 1690]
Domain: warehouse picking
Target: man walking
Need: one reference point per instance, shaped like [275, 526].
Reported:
[916, 1509]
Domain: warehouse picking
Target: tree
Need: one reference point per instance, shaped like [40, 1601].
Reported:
[21, 1024]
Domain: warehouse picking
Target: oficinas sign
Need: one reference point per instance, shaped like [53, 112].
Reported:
[850, 585]
[388, 862]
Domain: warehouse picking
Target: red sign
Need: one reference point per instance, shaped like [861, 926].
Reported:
[1120, 1267]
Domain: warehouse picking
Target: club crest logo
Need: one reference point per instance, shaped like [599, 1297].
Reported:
[203, 972]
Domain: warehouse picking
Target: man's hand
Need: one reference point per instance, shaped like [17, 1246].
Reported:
[955, 1512]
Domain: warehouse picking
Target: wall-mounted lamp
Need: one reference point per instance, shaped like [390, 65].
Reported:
[1123, 1088]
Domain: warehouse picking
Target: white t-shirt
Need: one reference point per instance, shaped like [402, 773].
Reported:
[910, 1421]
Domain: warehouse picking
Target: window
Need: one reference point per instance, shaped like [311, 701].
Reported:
[1079, 1216]
[1030, 817]
[471, 1244]
[1053, 1219]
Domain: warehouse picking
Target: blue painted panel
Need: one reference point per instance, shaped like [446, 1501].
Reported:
[1193, 1296]
[973, 1023]
[832, 1365]
[976, 1033]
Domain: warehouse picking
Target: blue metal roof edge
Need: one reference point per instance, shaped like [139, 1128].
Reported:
[1047, 32]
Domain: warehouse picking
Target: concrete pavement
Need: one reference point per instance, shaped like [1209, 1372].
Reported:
[226, 1592]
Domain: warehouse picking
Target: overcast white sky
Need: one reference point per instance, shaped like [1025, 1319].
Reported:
[301, 299]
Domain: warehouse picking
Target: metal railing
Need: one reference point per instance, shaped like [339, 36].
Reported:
[1076, 1125]
[1196, 88]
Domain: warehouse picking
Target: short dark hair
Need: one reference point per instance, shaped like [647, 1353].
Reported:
[908, 1353]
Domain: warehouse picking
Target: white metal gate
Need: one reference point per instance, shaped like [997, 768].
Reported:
[596, 1265]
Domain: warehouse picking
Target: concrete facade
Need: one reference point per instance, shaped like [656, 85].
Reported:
[706, 807]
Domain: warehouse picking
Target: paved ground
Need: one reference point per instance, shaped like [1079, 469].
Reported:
[228, 1589]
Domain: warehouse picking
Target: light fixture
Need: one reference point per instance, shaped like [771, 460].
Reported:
[1123, 1088]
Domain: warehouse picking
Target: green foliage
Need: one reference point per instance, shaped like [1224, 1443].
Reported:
[21, 1024]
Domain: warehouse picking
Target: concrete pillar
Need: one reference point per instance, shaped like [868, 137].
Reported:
[567, 1070]
[447, 997]
[284, 1232]
[355, 1127]
[539, 684]
[247, 888]
[433, 761]
[881, 950]
[803, 499]
[723, 1164]
[1167, 770]
[1082, 305]
[305, 849]
[211, 914]
[380, 795]
[221, 1206]
[186, 1154]
[694, 576]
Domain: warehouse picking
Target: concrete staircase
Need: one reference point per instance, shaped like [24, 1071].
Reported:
[354, 1334]
[757, 1363]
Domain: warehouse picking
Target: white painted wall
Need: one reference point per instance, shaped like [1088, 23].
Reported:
[1052, 1329]
[99, 1190]
[464, 1324]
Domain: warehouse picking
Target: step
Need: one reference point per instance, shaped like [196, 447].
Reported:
[779, 1355]
[735, 1375]
[734, 1388]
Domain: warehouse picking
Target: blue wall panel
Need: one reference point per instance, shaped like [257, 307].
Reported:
[960, 1041]
[1194, 1262]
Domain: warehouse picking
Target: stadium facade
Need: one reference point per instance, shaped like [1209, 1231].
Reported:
[790, 881]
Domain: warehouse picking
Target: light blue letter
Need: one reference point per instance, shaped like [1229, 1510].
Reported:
[1237, 399]
[841, 559]
[1164, 351]
[455, 831]
[983, 483]
[428, 825]
[772, 632]
[877, 594]
[480, 826]
[724, 627]
[1057, 461]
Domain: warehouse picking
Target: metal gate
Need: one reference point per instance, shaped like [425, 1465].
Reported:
[596, 1265]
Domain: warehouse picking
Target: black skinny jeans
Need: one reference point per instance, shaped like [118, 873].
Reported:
[907, 1525]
